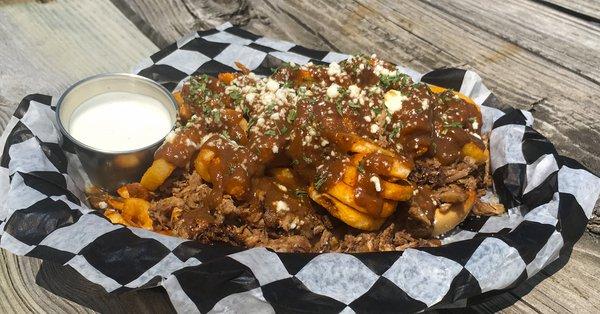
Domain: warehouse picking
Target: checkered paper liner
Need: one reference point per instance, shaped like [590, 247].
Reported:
[43, 212]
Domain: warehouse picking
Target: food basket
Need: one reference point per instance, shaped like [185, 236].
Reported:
[44, 214]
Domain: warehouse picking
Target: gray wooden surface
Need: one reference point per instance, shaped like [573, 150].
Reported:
[540, 54]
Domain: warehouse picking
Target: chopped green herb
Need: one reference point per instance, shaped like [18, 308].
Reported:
[339, 108]
[295, 162]
[306, 159]
[394, 133]
[301, 92]
[287, 84]
[231, 169]
[291, 116]
[320, 180]
[354, 104]
[225, 134]
[376, 110]
[217, 115]
[270, 108]
[246, 110]
[271, 133]
[273, 70]
[361, 167]
[251, 122]
[388, 80]
[453, 124]
[300, 193]
[342, 92]
[236, 96]
[206, 109]
[472, 119]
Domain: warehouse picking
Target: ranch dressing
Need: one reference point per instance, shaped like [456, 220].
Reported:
[120, 121]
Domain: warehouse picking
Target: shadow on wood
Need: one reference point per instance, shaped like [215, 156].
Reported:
[67, 283]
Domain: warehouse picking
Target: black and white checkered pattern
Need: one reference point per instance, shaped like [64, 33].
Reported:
[43, 214]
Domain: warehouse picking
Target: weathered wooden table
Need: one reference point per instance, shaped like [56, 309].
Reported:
[542, 55]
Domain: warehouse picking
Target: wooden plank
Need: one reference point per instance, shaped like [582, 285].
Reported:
[585, 9]
[562, 39]
[44, 48]
[166, 21]
[28, 285]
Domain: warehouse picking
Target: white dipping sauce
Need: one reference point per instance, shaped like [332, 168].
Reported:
[120, 121]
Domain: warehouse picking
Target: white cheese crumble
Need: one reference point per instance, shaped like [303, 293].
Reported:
[275, 149]
[332, 90]
[250, 97]
[367, 118]
[102, 205]
[190, 143]
[374, 128]
[354, 91]
[425, 104]
[334, 69]
[393, 100]
[281, 206]
[272, 85]
[376, 182]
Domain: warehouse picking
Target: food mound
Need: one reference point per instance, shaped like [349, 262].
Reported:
[349, 157]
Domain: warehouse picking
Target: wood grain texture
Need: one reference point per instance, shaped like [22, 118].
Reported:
[523, 67]
[586, 9]
[46, 47]
[165, 21]
[561, 39]
[28, 285]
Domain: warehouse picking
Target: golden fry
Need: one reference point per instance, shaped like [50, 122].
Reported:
[396, 192]
[136, 211]
[114, 203]
[350, 176]
[397, 168]
[345, 194]
[345, 213]
[178, 97]
[362, 146]
[389, 207]
[202, 163]
[158, 172]
[123, 191]
[473, 151]
[115, 217]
